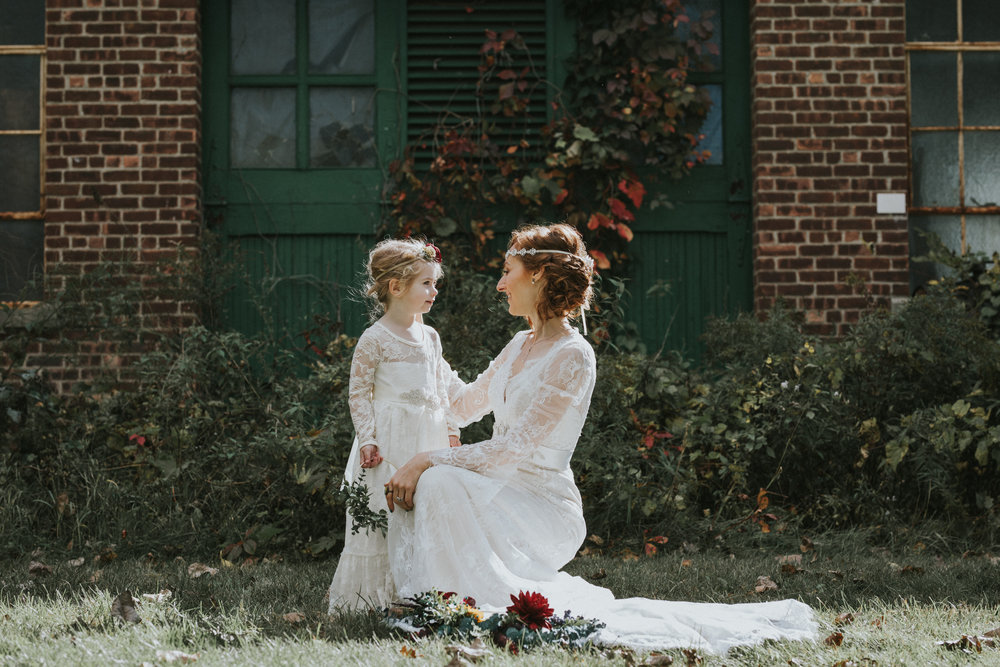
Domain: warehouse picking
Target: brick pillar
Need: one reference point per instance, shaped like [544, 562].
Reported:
[829, 134]
[123, 134]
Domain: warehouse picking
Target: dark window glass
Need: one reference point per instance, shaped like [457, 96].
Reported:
[263, 127]
[21, 243]
[19, 92]
[931, 21]
[342, 127]
[935, 168]
[933, 89]
[341, 37]
[981, 84]
[262, 37]
[980, 20]
[22, 22]
[20, 181]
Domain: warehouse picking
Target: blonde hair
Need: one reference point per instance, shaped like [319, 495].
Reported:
[396, 259]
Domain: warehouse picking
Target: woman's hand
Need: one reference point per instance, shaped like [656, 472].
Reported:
[400, 488]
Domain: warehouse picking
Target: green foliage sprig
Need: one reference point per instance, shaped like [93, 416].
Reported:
[355, 496]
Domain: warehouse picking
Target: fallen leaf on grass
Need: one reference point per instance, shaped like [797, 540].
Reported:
[176, 656]
[806, 545]
[294, 617]
[687, 562]
[992, 633]
[76, 562]
[596, 539]
[878, 622]
[600, 574]
[123, 608]
[162, 596]
[844, 619]
[765, 584]
[471, 653]
[970, 643]
[408, 652]
[788, 568]
[195, 570]
[37, 569]
[691, 657]
[793, 559]
[836, 639]
[656, 659]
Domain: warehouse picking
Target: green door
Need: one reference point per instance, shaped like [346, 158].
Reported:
[306, 102]
[300, 108]
[694, 259]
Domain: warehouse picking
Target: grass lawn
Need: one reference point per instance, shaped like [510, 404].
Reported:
[903, 597]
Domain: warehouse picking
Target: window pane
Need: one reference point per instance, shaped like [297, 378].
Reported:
[19, 92]
[21, 259]
[263, 37]
[935, 168]
[982, 168]
[341, 127]
[980, 21]
[931, 21]
[20, 180]
[23, 22]
[933, 89]
[712, 128]
[946, 227]
[982, 233]
[981, 72]
[709, 11]
[263, 127]
[341, 37]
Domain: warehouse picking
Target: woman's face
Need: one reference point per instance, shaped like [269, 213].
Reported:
[515, 283]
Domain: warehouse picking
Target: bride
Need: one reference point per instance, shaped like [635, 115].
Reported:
[504, 515]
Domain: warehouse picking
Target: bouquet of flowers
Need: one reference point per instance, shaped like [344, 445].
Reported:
[528, 622]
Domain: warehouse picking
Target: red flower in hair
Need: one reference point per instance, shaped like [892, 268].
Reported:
[532, 609]
[432, 253]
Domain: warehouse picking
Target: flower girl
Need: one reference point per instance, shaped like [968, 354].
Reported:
[398, 396]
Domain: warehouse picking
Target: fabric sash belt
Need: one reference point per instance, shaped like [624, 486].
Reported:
[547, 457]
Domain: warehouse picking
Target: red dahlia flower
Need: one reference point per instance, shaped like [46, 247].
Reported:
[532, 609]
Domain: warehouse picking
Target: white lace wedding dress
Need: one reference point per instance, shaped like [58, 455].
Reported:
[504, 515]
[398, 396]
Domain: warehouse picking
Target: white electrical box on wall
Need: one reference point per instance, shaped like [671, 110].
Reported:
[890, 202]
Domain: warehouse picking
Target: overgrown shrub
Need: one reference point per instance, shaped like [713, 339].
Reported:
[235, 447]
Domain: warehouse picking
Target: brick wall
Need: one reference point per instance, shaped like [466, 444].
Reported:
[829, 133]
[122, 111]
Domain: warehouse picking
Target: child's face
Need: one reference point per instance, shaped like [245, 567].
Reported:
[419, 296]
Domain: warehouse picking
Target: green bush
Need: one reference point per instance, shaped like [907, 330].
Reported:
[232, 446]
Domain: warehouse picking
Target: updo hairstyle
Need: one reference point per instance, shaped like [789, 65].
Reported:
[398, 259]
[567, 278]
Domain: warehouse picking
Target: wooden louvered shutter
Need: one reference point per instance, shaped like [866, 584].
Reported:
[444, 39]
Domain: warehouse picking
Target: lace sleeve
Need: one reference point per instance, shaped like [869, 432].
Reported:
[565, 383]
[445, 379]
[359, 394]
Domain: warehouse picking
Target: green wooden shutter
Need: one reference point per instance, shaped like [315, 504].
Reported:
[443, 46]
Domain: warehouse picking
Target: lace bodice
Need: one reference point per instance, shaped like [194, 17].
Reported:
[388, 368]
[539, 412]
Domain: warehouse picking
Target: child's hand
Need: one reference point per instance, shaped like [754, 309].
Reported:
[453, 441]
[370, 456]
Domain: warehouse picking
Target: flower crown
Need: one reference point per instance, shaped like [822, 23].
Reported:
[587, 259]
[430, 253]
